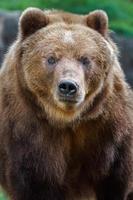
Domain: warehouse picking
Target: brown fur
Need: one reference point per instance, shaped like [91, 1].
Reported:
[54, 150]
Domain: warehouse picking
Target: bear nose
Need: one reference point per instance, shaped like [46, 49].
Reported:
[68, 88]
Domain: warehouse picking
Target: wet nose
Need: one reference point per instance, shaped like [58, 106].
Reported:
[68, 88]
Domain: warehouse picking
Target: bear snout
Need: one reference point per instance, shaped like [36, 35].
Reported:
[68, 90]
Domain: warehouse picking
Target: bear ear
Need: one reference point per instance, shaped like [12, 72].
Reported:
[31, 20]
[98, 20]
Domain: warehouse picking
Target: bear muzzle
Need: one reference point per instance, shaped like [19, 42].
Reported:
[67, 91]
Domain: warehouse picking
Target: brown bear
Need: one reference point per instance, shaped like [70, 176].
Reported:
[66, 127]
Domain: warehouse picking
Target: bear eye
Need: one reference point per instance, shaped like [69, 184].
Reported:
[84, 60]
[51, 60]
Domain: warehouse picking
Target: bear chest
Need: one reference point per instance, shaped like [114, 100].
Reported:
[70, 156]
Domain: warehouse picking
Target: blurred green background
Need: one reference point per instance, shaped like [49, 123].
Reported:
[2, 196]
[120, 11]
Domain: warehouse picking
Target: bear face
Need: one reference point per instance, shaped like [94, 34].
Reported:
[65, 78]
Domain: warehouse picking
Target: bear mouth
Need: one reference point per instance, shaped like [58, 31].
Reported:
[68, 100]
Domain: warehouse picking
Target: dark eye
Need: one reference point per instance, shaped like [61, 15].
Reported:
[51, 60]
[84, 60]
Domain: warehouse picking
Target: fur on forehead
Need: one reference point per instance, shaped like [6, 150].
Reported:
[33, 19]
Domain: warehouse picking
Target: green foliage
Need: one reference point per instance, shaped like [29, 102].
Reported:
[120, 12]
[2, 196]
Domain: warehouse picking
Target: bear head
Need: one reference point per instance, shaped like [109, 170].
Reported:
[66, 65]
